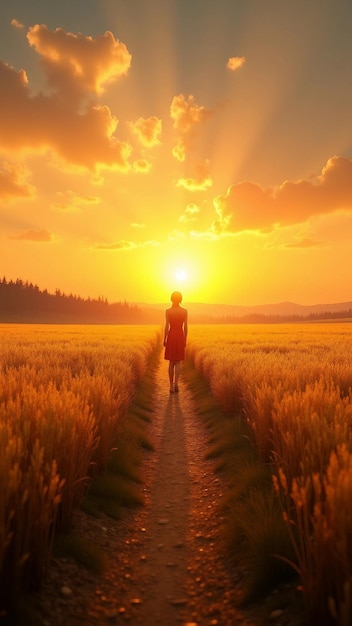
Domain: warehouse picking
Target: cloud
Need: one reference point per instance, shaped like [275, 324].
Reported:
[234, 63]
[34, 235]
[142, 165]
[248, 206]
[186, 116]
[13, 182]
[220, 224]
[179, 151]
[193, 184]
[74, 59]
[206, 235]
[64, 121]
[305, 242]
[70, 201]
[124, 244]
[17, 24]
[147, 130]
[190, 214]
[200, 182]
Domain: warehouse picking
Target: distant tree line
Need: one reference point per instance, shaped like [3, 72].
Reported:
[24, 302]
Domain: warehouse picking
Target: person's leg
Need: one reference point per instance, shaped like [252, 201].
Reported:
[171, 374]
[177, 373]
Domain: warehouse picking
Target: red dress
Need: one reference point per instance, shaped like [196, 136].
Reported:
[175, 341]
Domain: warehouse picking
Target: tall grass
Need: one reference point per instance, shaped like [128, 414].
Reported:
[292, 385]
[63, 393]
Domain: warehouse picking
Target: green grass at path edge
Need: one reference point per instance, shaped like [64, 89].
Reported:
[109, 494]
[253, 529]
[121, 485]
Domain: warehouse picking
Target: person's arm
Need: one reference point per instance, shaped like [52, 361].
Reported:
[167, 326]
[185, 327]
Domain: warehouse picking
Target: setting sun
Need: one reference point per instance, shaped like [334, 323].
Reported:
[200, 157]
[181, 275]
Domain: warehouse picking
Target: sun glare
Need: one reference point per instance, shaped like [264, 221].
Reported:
[195, 274]
[181, 275]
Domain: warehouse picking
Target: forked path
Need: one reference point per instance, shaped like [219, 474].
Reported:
[167, 561]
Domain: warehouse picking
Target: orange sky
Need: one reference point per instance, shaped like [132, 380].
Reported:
[203, 146]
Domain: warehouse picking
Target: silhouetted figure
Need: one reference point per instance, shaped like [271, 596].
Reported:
[175, 337]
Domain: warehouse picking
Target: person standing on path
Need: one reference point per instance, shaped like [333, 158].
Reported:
[175, 337]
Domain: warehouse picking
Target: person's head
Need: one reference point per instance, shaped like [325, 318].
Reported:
[176, 297]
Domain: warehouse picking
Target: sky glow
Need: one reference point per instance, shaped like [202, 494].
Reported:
[203, 146]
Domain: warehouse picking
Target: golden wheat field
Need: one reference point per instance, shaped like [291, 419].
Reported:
[63, 393]
[293, 385]
[65, 389]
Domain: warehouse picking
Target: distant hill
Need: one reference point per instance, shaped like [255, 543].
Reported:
[281, 309]
[225, 312]
[24, 302]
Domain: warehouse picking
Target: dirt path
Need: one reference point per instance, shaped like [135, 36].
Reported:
[175, 570]
[167, 560]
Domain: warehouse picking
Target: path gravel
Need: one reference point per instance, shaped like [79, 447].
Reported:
[167, 562]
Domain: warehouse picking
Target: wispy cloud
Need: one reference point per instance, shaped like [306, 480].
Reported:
[234, 63]
[34, 235]
[17, 24]
[305, 242]
[147, 130]
[195, 184]
[190, 214]
[201, 181]
[186, 116]
[14, 183]
[70, 201]
[124, 244]
[142, 165]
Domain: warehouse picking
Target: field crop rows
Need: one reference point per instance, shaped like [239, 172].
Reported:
[63, 393]
[292, 384]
